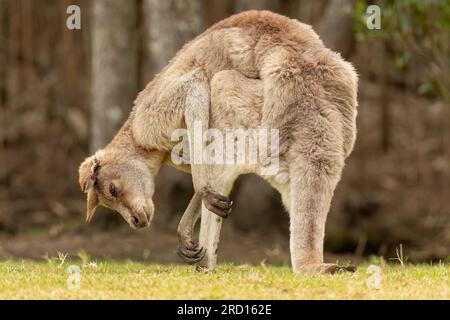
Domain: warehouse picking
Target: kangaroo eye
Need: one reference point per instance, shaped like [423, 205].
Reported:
[113, 190]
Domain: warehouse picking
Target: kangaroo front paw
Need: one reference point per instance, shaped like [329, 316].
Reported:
[325, 268]
[190, 252]
[217, 203]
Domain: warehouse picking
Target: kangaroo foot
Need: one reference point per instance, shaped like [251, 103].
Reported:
[325, 268]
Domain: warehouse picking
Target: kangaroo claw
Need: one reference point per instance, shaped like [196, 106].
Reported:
[217, 203]
[191, 256]
[190, 251]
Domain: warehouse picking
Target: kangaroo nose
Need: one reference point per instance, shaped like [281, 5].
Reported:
[139, 222]
[135, 220]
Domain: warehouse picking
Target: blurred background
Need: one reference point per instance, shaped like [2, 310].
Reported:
[64, 93]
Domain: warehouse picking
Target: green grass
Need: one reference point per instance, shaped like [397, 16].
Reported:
[133, 280]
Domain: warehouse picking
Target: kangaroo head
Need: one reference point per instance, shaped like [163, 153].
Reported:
[122, 183]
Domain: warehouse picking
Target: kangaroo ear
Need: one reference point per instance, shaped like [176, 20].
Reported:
[92, 202]
[85, 176]
[87, 172]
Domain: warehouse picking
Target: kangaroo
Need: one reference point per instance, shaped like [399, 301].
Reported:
[287, 81]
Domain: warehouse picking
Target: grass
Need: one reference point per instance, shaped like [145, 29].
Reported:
[134, 280]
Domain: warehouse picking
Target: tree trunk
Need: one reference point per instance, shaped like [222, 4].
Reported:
[114, 76]
[336, 27]
[216, 10]
[114, 67]
[3, 48]
[168, 26]
[3, 63]
[385, 118]
[3, 161]
[244, 5]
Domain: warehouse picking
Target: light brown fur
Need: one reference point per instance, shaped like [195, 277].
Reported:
[280, 76]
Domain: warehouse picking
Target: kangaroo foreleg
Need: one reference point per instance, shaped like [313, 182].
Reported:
[197, 110]
[188, 247]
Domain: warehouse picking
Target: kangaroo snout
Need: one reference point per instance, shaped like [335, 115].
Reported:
[139, 221]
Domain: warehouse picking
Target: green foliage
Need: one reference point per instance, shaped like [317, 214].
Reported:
[413, 31]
